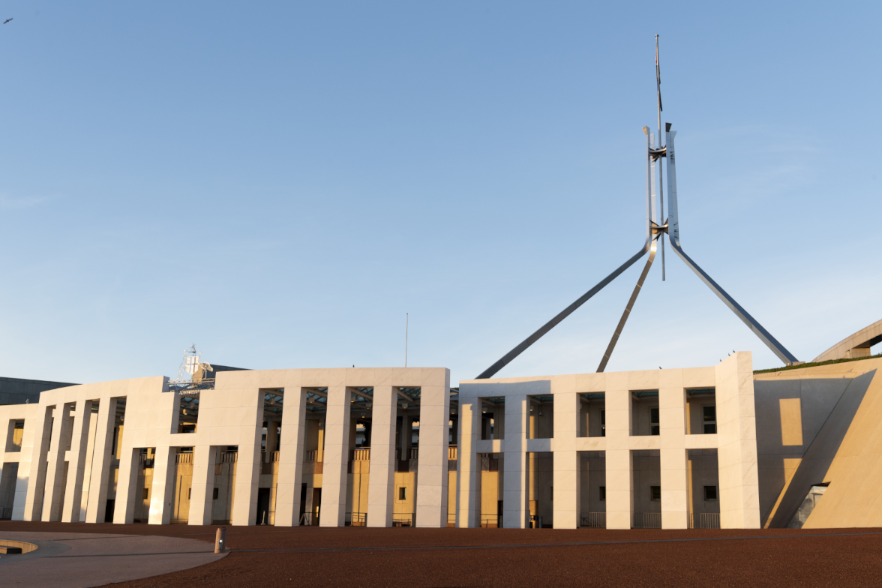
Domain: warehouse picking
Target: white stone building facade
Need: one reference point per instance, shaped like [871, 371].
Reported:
[65, 455]
[391, 446]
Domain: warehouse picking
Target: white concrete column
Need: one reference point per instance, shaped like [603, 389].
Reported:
[468, 466]
[619, 464]
[124, 505]
[5, 442]
[202, 486]
[82, 507]
[334, 478]
[432, 477]
[736, 434]
[162, 492]
[101, 461]
[514, 446]
[248, 464]
[6, 438]
[291, 458]
[76, 467]
[37, 478]
[567, 481]
[54, 492]
[31, 447]
[382, 476]
[674, 459]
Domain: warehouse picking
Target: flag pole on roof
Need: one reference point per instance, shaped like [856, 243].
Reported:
[657, 227]
[661, 193]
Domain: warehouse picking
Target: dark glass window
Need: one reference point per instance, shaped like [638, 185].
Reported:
[709, 414]
[710, 492]
[653, 422]
[655, 492]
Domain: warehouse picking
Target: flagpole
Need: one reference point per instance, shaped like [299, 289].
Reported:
[661, 195]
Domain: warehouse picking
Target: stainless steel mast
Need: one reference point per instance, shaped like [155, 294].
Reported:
[656, 227]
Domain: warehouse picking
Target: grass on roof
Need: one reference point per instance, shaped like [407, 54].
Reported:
[808, 365]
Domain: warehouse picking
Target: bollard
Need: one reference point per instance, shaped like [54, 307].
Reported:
[220, 540]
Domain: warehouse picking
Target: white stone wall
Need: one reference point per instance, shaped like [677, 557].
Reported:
[735, 441]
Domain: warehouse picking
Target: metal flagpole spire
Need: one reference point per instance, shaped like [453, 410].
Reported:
[661, 195]
[656, 227]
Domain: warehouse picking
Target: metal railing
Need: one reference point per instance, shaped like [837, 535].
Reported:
[355, 519]
[316, 455]
[594, 520]
[184, 458]
[494, 522]
[412, 453]
[704, 520]
[227, 457]
[361, 454]
[191, 388]
[451, 453]
[402, 519]
[647, 520]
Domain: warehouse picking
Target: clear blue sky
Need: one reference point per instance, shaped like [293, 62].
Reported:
[279, 183]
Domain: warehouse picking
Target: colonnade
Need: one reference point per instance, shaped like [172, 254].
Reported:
[735, 442]
[230, 414]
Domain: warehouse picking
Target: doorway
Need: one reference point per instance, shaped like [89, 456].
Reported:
[263, 502]
[316, 505]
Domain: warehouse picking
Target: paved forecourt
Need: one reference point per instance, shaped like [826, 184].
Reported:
[79, 560]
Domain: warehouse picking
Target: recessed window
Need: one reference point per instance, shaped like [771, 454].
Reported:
[189, 493]
[602, 493]
[655, 493]
[402, 494]
[145, 493]
[214, 494]
[653, 422]
[603, 424]
[710, 493]
[709, 414]
[17, 435]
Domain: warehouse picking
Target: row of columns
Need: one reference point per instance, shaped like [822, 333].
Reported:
[47, 466]
[50, 499]
[618, 445]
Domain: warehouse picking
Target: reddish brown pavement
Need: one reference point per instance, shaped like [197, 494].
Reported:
[268, 556]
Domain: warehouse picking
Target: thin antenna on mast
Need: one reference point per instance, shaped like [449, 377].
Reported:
[406, 326]
[661, 195]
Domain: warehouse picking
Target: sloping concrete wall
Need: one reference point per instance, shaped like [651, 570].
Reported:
[815, 426]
